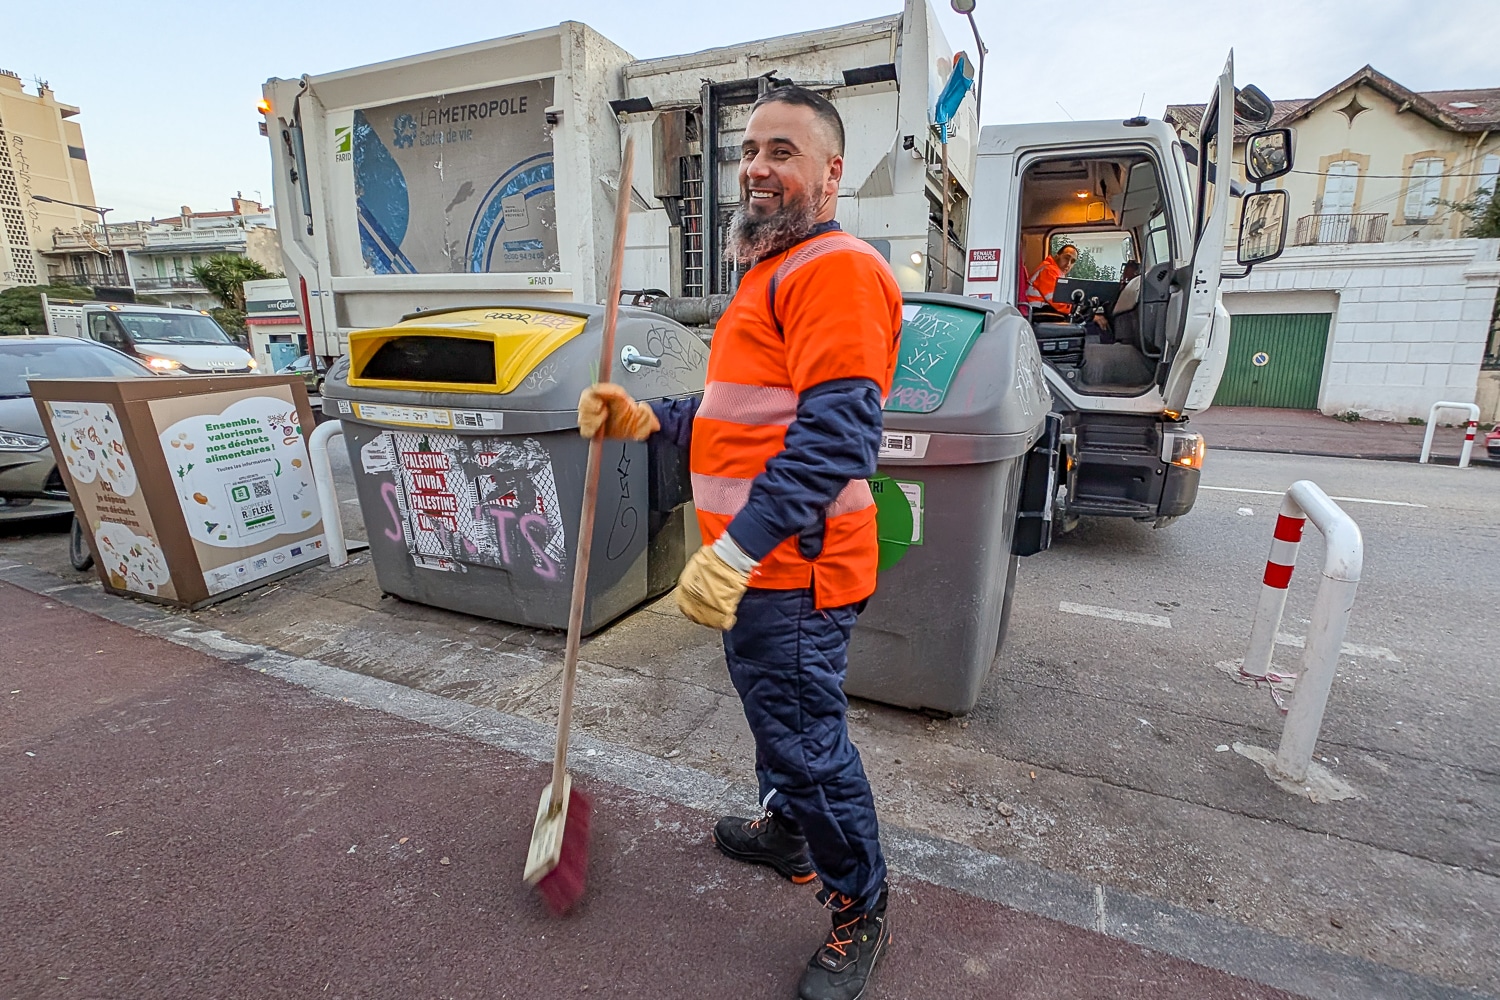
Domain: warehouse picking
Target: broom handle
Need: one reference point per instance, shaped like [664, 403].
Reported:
[591, 482]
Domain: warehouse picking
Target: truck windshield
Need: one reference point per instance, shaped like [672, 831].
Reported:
[171, 328]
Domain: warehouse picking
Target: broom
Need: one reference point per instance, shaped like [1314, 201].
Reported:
[558, 859]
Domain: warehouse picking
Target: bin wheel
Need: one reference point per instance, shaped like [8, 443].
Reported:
[1005, 602]
[78, 548]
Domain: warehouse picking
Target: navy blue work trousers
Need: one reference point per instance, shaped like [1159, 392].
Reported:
[787, 661]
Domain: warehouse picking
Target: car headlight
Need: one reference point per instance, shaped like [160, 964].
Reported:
[13, 441]
[163, 364]
[1184, 448]
[254, 364]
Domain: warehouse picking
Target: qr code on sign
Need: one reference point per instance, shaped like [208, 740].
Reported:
[262, 487]
[467, 420]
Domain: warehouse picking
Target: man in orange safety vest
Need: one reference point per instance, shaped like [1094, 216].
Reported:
[1044, 281]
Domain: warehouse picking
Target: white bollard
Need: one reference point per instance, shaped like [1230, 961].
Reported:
[1472, 410]
[1343, 560]
[328, 499]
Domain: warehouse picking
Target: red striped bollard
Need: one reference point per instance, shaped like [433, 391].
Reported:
[1278, 576]
[1469, 429]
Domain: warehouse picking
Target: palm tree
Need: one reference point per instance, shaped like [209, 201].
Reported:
[224, 276]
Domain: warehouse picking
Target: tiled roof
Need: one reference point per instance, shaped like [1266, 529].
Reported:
[1189, 115]
[1486, 110]
[1437, 106]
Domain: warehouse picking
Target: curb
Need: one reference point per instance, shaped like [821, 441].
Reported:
[1234, 948]
[1410, 459]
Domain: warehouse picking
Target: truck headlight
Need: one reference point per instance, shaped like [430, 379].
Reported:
[13, 441]
[254, 364]
[163, 364]
[1183, 448]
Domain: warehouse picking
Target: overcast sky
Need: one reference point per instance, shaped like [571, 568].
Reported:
[168, 88]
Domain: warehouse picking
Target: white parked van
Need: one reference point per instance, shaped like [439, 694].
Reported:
[168, 341]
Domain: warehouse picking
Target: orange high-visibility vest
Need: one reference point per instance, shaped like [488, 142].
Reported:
[837, 315]
[1043, 284]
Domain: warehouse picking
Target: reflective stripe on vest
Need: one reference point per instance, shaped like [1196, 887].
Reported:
[815, 248]
[758, 405]
[727, 496]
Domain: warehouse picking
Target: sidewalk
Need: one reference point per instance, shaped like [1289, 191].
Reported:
[1308, 432]
[178, 826]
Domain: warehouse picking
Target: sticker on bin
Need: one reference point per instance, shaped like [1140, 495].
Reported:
[896, 444]
[914, 497]
[427, 416]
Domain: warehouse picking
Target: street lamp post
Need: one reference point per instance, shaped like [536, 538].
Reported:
[108, 246]
[966, 8]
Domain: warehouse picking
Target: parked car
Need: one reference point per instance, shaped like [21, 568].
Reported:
[1492, 444]
[30, 485]
[312, 370]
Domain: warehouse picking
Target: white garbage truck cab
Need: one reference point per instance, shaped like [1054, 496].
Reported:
[1134, 337]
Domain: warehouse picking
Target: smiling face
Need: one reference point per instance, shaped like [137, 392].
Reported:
[788, 159]
[790, 169]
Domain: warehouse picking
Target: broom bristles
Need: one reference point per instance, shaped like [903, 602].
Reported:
[562, 887]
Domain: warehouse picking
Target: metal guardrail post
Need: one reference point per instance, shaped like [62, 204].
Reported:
[1472, 409]
[328, 500]
[1342, 563]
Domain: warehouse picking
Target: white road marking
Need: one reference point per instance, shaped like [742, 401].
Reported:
[1115, 614]
[1277, 493]
[1348, 649]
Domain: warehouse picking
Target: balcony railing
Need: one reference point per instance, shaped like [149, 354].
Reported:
[182, 283]
[100, 276]
[1363, 227]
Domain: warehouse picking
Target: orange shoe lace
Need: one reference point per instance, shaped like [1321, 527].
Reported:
[838, 902]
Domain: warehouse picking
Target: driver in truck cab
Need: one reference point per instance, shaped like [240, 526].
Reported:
[1044, 281]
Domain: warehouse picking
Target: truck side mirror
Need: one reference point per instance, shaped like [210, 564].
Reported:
[1252, 107]
[1268, 154]
[1263, 219]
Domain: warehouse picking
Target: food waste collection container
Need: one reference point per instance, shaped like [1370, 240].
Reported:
[968, 402]
[462, 430]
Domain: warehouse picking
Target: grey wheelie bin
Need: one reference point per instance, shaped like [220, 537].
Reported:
[462, 430]
[968, 404]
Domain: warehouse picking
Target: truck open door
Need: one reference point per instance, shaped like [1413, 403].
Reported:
[1195, 345]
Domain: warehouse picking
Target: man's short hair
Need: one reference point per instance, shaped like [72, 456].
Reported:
[821, 107]
[1057, 250]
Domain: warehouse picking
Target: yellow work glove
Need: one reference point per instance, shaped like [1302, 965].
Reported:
[606, 405]
[709, 589]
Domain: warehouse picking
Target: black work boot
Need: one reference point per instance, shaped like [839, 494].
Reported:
[769, 840]
[841, 968]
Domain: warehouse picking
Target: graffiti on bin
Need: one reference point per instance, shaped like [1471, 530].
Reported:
[935, 339]
[474, 501]
[627, 519]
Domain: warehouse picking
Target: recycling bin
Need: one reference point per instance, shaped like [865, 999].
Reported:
[968, 403]
[462, 430]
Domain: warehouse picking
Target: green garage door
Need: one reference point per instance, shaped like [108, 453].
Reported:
[1275, 360]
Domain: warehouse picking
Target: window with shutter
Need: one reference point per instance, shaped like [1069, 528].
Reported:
[1489, 172]
[1423, 189]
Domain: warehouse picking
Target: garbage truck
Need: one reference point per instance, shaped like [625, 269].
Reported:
[489, 171]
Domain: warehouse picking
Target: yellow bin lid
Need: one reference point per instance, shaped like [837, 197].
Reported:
[463, 350]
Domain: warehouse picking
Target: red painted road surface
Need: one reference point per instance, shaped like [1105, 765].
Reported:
[192, 829]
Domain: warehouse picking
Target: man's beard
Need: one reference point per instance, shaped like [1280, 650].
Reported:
[753, 239]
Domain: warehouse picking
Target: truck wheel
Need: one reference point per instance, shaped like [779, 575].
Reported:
[78, 548]
[1005, 602]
